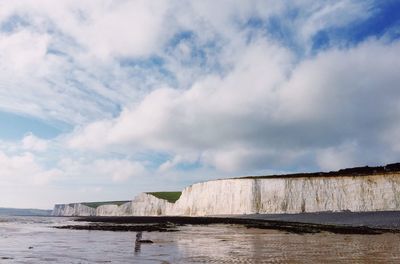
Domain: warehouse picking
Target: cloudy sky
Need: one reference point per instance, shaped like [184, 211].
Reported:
[101, 99]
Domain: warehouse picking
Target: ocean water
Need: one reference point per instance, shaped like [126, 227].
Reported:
[34, 240]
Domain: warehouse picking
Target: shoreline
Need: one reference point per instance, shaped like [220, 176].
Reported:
[337, 223]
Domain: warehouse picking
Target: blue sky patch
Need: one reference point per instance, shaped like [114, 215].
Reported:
[13, 23]
[14, 127]
[384, 21]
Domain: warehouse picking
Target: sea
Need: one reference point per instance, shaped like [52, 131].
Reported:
[35, 240]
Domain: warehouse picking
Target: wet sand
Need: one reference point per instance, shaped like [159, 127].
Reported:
[339, 223]
[33, 240]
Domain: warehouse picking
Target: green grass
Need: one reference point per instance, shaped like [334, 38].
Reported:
[171, 197]
[97, 204]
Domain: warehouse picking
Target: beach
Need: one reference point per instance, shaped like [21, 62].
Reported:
[35, 240]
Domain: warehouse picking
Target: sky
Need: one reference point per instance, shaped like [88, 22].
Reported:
[101, 100]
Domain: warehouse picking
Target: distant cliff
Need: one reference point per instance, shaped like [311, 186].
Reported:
[356, 189]
[24, 212]
[151, 204]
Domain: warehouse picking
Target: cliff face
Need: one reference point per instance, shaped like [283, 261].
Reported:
[367, 193]
[233, 196]
[147, 204]
[108, 210]
[291, 195]
[264, 195]
[142, 205]
[124, 209]
[75, 209]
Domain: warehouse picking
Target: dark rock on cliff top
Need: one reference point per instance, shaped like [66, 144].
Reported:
[356, 171]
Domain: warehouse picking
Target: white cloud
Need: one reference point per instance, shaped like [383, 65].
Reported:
[229, 98]
[232, 160]
[62, 60]
[336, 80]
[103, 28]
[325, 100]
[23, 169]
[338, 157]
[33, 143]
[22, 51]
[120, 170]
[104, 170]
[27, 183]
[204, 115]
[184, 158]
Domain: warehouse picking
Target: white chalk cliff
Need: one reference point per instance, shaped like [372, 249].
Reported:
[147, 204]
[74, 209]
[291, 195]
[108, 209]
[377, 192]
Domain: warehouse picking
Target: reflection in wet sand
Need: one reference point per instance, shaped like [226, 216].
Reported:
[192, 244]
[241, 245]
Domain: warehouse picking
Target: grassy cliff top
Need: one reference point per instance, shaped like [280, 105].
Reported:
[171, 197]
[97, 204]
